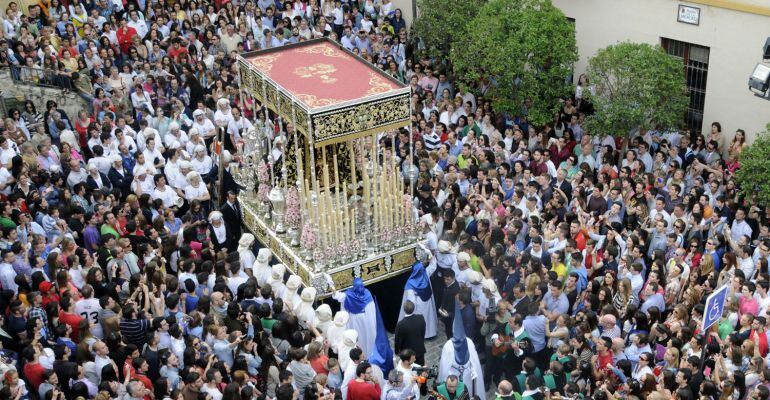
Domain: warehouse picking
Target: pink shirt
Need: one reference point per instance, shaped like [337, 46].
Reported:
[749, 306]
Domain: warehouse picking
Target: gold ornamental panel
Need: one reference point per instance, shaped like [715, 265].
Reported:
[343, 279]
[257, 82]
[285, 105]
[403, 260]
[373, 269]
[360, 120]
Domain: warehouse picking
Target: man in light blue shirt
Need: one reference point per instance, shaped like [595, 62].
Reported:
[534, 324]
[653, 298]
[555, 303]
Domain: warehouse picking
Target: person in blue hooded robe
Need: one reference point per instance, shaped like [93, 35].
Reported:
[460, 358]
[418, 290]
[359, 304]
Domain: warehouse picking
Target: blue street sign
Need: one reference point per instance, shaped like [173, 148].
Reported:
[715, 304]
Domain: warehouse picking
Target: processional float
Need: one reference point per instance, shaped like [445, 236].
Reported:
[321, 192]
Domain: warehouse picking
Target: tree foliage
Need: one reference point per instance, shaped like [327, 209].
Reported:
[440, 22]
[637, 85]
[526, 48]
[752, 177]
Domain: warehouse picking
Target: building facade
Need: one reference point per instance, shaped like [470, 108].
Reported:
[719, 42]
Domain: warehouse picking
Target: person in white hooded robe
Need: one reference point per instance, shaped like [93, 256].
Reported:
[459, 358]
[261, 267]
[245, 255]
[348, 341]
[336, 329]
[276, 281]
[304, 310]
[323, 320]
[291, 298]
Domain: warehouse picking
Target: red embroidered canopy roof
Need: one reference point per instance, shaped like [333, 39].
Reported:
[320, 73]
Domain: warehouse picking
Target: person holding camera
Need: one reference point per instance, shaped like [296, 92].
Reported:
[397, 387]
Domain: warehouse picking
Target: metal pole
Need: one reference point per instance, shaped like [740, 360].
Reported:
[221, 168]
[313, 181]
[269, 136]
[240, 103]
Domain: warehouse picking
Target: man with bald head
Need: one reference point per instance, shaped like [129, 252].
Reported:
[218, 306]
[77, 174]
[504, 391]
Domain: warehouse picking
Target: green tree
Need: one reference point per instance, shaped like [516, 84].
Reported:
[440, 22]
[526, 48]
[755, 168]
[636, 85]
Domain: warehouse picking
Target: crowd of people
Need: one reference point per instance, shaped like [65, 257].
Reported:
[559, 263]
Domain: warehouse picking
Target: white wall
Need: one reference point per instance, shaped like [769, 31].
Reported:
[735, 40]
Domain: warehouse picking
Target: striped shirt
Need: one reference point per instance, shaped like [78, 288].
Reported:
[135, 331]
[432, 140]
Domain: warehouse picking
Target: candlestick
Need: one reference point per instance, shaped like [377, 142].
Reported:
[333, 216]
[367, 196]
[336, 173]
[321, 215]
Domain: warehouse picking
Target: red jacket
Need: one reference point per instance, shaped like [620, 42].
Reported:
[124, 38]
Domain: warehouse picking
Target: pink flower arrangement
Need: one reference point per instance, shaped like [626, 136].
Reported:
[293, 215]
[263, 191]
[307, 237]
[263, 172]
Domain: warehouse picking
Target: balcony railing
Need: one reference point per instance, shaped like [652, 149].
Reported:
[39, 77]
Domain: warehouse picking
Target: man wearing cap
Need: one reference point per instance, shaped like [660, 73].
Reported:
[463, 267]
[203, 125]
[426, 201]
[143, 182]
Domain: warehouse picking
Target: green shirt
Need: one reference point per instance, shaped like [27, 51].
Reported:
[6, 222]
[441, 389]
[268, 323]
[105, 229]
[725, 329]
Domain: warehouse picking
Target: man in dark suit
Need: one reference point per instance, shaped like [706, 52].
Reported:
[120, 177]
[561, 183]
[447, 309]
[233, 218]
[519, 301]
[410, 333]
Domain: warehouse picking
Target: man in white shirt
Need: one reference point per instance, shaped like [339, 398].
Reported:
[347, 38]
[740, 227]
[76, 175]
[102, 357]
[162, 191]
[138, 24]
[88, 307]
[7, 274]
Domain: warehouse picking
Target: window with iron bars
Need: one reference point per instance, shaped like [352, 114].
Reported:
[696, 63]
